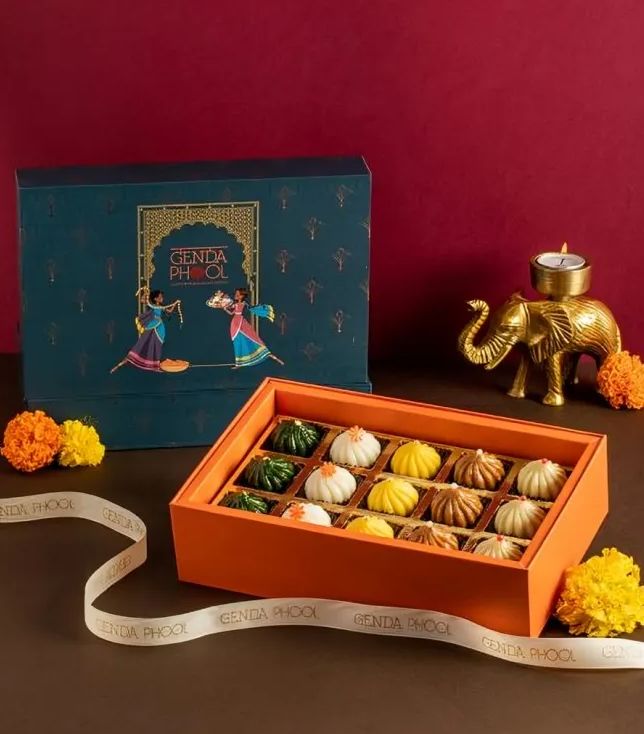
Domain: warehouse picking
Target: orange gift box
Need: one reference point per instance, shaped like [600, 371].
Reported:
[269, 556]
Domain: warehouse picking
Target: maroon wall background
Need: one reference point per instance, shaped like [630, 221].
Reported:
[494, 129]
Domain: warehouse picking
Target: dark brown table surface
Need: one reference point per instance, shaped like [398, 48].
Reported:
[55, 676]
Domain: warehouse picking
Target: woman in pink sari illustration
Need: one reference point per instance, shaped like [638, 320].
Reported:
[248, 346]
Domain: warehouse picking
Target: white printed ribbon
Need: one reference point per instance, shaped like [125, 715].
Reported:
[578, 654]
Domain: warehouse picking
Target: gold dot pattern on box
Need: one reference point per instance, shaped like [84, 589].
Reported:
[342, 514]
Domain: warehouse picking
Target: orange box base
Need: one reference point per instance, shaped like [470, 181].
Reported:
[268, 556]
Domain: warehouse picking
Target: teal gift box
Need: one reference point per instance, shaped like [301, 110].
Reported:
[155, 298]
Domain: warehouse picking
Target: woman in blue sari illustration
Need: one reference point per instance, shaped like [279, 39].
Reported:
[248, 346]
[146, 353]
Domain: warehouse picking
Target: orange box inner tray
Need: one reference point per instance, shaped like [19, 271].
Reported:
[267, 555]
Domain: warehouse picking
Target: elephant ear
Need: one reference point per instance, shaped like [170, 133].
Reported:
[558, 331]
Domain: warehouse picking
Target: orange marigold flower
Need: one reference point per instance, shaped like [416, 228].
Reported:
[31, 441]
[621, 380]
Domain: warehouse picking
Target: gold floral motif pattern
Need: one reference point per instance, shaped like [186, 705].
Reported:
[240, 219]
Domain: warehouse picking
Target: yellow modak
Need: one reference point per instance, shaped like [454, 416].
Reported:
[416, 459]
[371, 526]
[393, 496]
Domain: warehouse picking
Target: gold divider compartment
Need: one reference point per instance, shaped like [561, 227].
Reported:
[356, 505]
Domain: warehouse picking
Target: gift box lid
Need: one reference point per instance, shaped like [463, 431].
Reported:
[146, 173]
[258, 263]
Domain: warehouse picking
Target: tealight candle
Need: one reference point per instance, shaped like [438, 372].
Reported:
[560, 275]
[563, 260]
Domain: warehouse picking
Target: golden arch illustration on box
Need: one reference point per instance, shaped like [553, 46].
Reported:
[157, 222]
[239, 219]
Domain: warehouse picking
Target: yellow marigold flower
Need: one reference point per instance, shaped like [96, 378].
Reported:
[81, 445]
[31, 441]
[602, 597]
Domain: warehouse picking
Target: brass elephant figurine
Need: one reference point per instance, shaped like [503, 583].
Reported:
[555, 334]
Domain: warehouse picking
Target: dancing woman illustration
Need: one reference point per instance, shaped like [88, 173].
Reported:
[248, 346]
[146, 353]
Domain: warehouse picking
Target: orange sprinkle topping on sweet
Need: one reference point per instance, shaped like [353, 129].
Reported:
[499, 538]
[355, 433]
[327, 469]
[296, 512]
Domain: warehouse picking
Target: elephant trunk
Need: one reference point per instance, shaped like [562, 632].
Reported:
[492, 349]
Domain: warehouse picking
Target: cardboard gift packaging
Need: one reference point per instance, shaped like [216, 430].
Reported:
[294, 234]
[268, 556]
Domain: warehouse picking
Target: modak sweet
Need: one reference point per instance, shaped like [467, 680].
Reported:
[355, 447]
[479, 470]
[430, 534]
[270, 473]
[541, 479]
[371, 526]
[416, 459]
[330, 483]
[393, 496]
[456, 506]
[498, 547]
[246, 501]
[295, 437]
[519, 518]
[307, 512]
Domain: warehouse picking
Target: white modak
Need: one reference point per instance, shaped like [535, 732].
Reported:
[520, 518]
[498, 547]
[330, 483]
[541, 479]
[307, 512]
[355, 447]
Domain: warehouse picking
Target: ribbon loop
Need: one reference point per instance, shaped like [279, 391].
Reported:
[573, 654]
